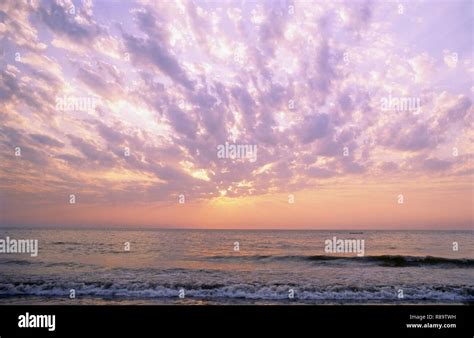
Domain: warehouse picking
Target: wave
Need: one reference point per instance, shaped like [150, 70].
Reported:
[20, 262]
[421, 261]
[17, 262]
[382, 260]
[251, 291]
[66, 243]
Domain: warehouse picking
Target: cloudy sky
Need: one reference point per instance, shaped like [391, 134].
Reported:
[361, 113]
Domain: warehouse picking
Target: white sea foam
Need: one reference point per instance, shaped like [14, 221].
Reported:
[240, 291]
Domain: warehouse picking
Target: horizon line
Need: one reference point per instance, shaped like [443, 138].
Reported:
[88, 227]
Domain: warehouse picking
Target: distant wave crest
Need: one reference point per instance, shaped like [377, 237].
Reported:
[382, 260]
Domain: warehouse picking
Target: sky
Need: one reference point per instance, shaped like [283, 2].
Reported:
[359, 114]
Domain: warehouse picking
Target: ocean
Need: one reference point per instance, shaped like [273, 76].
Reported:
[168, 266]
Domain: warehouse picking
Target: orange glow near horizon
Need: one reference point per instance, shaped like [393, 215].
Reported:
[350, 207]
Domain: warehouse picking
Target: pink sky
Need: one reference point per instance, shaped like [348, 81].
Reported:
[360, 113]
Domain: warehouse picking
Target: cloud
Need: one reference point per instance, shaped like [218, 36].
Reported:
[71, 159]
[389, 166]
[450, 59]
[454, 110]
[8, 85]
[435, 164]
[413, 137]
[320, 172]
[423, 66]
[67, 21]
[91, 152]
[154, 49]
[314, 127]
[182, 92]
[182, 122]
[98, 83]
[46, 140]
